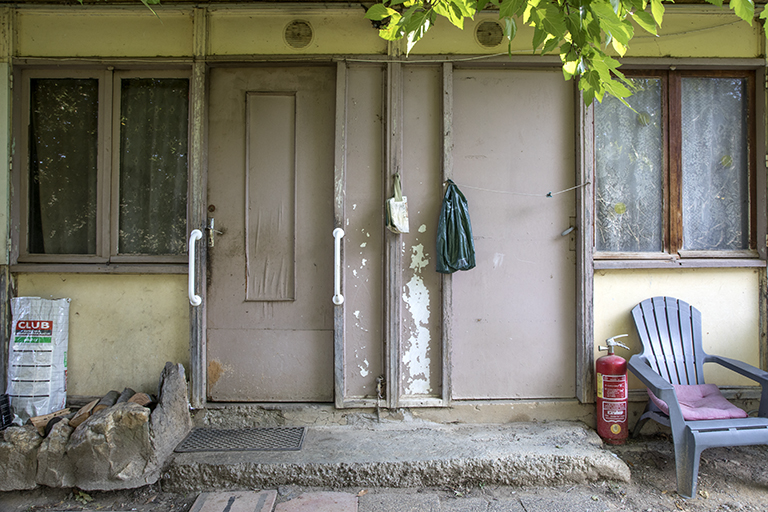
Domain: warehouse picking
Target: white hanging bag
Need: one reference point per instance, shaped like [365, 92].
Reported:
[397, 209]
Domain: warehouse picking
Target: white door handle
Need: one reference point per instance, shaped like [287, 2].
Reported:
[196, 235]
[338, 298]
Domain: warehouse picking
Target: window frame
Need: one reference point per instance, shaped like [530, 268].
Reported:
[671, 208]
[107, 176]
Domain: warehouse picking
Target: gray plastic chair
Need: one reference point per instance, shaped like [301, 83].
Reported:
[670, 331]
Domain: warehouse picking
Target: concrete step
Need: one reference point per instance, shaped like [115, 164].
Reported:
[408, 454]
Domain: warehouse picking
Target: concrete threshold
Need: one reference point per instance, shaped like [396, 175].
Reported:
[408, 454]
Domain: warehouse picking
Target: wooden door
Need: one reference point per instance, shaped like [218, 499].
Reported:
[270, 274]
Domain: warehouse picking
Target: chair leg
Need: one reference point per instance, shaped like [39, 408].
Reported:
[639, 425]
[687, 457]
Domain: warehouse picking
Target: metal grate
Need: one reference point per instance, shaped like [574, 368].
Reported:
[243, 439]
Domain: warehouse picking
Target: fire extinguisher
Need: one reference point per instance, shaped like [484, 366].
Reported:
[612, 394]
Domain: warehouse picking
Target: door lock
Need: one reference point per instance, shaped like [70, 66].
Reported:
[211, 232]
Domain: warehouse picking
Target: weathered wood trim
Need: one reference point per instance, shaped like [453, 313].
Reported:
[762, 300]
[197, 204]
[679, 263]
[127, 268]
[761, 120]
[6, 292]
[393, 281]
[447, 279]
[339, 188]
[585, 379]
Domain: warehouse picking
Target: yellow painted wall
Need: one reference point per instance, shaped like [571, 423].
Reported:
[250, 31]
[727, 298]
[122, 329]
[78, 31]
[112, 31]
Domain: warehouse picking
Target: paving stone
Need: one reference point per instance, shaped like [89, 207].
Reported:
[399, 502]
[509, 505]
[320, 502]
[464, 505]
[239, 501]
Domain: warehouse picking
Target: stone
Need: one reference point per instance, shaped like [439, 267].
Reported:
[171, 420]
[18, 458]
[320, 502]
[235, 501]
[54, 467]
[111, 450]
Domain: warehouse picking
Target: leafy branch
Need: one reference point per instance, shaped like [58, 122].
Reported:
[581, 31]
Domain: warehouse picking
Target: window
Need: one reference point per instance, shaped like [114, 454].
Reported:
[675, 177]
[103, 167]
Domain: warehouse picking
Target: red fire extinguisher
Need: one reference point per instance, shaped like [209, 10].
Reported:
[612, 394]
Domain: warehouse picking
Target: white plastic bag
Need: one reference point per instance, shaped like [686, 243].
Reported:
[37, 363]
[397, 210]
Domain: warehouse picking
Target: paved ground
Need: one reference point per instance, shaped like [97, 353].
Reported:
[730, 479]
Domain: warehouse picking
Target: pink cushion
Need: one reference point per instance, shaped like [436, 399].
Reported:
[701, 402]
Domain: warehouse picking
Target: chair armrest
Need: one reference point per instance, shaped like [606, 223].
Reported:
[662, 389]
[740, 367]
[749, 371]
[655, 383]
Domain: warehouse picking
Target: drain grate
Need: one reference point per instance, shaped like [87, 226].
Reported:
[243, 439]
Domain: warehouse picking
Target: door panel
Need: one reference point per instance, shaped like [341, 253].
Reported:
[270, 191]
[514, 323]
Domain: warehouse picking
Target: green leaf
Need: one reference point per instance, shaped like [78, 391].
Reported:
[510, 8]
[645, 20]
[553, 21]
[718, 3]
[619, 29]
[510, 28]
[464, 8]
[657, 10]
[744, 9]
[538, 38]
[481, 4]
[378, 12]
[415, 27]
[550, 45]
[394, 30]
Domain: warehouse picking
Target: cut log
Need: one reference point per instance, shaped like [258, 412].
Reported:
[141, 399]
[83, 414]
[107, 400]
[41, 421]
[125, 395]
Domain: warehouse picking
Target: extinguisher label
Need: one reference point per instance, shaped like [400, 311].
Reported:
[615, 412]
[612, 387]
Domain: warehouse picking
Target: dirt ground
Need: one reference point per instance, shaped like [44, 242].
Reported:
[729, 479]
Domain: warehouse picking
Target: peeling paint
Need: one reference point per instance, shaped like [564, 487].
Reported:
[362, 263]
[363, 244]
[364, 368]
[498, 259]
[416, 359]
[423, 228]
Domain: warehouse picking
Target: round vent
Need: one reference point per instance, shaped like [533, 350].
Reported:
[298, 34]
[489, 34]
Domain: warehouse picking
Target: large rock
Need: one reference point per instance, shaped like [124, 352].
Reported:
[171, 420]
[121, 447]
[111, 449]
[18, 458]
[54, 466]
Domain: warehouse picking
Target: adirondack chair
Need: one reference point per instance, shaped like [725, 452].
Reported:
[671, 366]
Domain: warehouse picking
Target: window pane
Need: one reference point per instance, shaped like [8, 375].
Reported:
[628, 163]
[715, 164]
[153, 166]
[63, 138]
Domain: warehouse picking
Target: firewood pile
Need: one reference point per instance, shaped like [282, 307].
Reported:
[45, 423]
